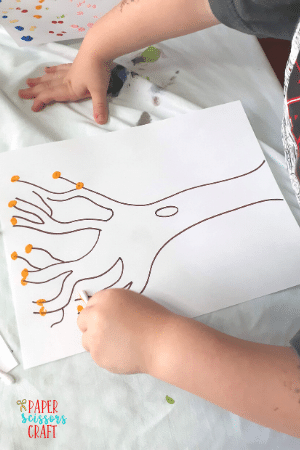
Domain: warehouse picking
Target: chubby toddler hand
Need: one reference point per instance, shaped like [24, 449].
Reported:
[86, 77]
[123, 330]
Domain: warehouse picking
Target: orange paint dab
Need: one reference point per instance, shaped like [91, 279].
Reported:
[42, 311]
[79, 185]
[56, 175]
[23, 282]
[37, 16]
[79, 308]
[14, 178]
[38, 7]
[14, 255]
[41, 1]
[12, 203]
[24, 273]
[28, 248]
[13, 220]
[40, 302]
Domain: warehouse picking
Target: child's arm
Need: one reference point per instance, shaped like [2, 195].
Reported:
[259, 382]
[126, 332]
[135, 24]
[129, 26]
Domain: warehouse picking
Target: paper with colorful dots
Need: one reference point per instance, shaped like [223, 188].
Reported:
[34, 22]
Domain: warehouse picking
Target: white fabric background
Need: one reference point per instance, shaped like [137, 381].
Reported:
[129, 412]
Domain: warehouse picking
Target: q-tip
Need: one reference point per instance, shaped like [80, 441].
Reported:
[83, 296]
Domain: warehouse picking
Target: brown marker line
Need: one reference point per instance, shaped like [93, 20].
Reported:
[84, 279]
[128, 286]
[204, 220]
[65, 179]
[81, 257]
[58, 221]
[180, 192]
[31, 265]
[50, 279]
[122, 271]
[165, 207]
[50, 216]
[43, 250]
[32, 204]
[28, 212]
[49, 232]
[43, 189]
[81, 196]
[77, 220]
[43, 202]
[63, 315]
[27, 220]
[51, 300]
[72, 260]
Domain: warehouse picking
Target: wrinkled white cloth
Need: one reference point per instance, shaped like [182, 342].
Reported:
[130, 412]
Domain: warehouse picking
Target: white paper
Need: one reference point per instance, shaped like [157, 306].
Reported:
[7, 360]
[33, 22]
[223, 242]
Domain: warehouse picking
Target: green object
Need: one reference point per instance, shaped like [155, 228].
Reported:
[151, 54]
[170, 400]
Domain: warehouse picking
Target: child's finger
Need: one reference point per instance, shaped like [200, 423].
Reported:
[58, 74]
[34, 90]
[59, 67]
[60, 93]
[82, 321]
[40, 103]
[100, 109]
[33, 81]
[26, 93]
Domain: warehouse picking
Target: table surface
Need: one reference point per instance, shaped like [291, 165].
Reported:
[105, 410]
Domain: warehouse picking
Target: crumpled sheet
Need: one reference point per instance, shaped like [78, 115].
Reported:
[107, 411]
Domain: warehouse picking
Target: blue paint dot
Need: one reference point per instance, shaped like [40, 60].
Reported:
[26, 38]
[19, 28]
[4, 17]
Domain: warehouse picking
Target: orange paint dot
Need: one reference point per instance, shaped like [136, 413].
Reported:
[24, 273]
[79, 308]
[56, 175]
[37, 16]
[14, 255]
[14, 178]
[38, 7]
[43, 311]
[12, 203]
[41, 1]
[40, 302]
[23, 282]
[28, 248]
[13, 220]
[79, 185]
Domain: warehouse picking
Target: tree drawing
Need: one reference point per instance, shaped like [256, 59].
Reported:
[127, 237]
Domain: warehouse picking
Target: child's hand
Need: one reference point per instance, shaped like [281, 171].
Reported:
[122, 330]
[86, 77]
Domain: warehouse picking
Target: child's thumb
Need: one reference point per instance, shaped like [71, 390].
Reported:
[100, 110]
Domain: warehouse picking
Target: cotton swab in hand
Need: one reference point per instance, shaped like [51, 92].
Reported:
[84, 297]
